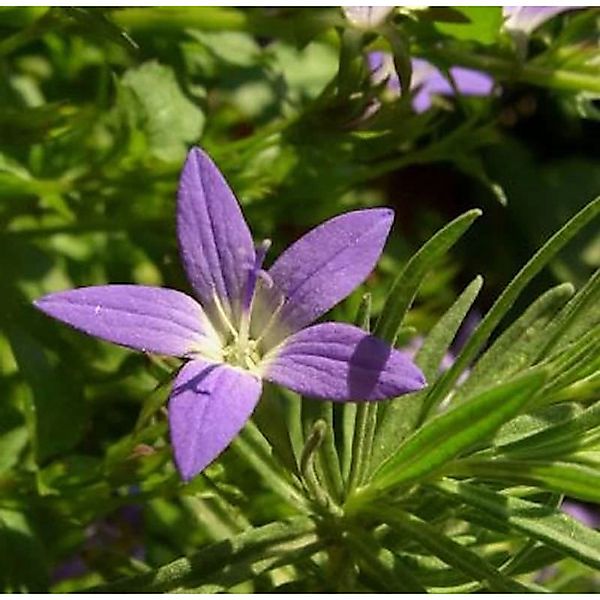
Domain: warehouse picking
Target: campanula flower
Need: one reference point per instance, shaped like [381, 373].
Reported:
[427, 80]
[247, 324]
[523, 20]
[367, 17]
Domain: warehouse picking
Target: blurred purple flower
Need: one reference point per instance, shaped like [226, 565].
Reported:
[119, 532]
[428, 81]
[523, 20]
[585, 513]
[367, 17]
[251, 324]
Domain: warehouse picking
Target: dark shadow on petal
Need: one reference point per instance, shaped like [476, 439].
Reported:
[366, 364]
[194, 384]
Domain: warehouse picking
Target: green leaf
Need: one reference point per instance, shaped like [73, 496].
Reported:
[453, 554]
[254, 449]
[406, 285]
[22, 557]
[450, 434]
[326, 459]
[155, 103]
[57, 411]
[578, 481]
[397, 418]
[518, 346]
[236, 553]
[559, 440]
[483, 26]
[541, 258]
[556, 529]
[354, 417]
[436, 344]
[387, 569]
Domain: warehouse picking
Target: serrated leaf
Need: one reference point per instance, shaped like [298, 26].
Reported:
[520, 344]
[556, 529]
[448, 435]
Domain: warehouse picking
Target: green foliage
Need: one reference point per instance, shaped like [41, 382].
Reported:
[456, 488]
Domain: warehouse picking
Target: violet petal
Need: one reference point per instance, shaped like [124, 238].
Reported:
[215, 242]
[209, 405]
[341, 362]
[321, 269]
[150, 319]
[525, 19]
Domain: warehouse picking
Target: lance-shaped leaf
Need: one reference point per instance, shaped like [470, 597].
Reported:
[261, 542]
[452, 553]
[575, 480]
[150, 319]
[454, 432]
[520, 344]
[491, 320]
[551, 526]
[436, 344]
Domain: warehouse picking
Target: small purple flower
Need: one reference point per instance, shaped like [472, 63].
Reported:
[249, 324]
[427, 80]
[367, 17]
[523, 20]
[589, 515]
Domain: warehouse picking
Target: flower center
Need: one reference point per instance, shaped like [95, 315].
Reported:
[239, 349]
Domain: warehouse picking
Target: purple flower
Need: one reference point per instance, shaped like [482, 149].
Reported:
[588, 514]
[367, 17]
[427, 80]
[248, 324]
[523, 20]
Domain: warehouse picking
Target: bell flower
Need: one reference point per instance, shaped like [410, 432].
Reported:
[247, 324]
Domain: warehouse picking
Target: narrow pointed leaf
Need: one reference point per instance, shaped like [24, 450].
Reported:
[253, 448]
[491, 320]
[453, 554]
[556, 529]
[450, 434]
[436, 344]
[520, 344]
[187, 572]
[575, 480]
[409, 281]
[558, 440]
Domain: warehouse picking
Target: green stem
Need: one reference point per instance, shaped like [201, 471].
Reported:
[274, 539]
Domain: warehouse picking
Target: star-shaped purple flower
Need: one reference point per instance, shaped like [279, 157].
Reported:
[247, 324]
